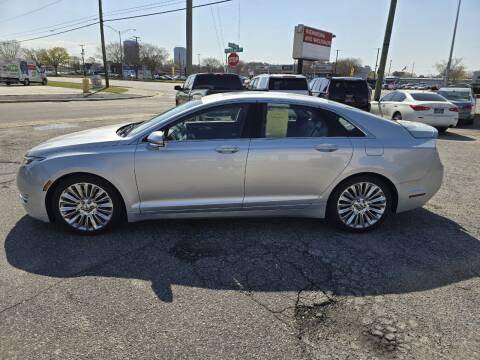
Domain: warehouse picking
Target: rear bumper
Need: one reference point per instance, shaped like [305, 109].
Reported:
[414, 194]
[444, 121]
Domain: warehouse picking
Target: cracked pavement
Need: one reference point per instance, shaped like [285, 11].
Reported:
[238, 288]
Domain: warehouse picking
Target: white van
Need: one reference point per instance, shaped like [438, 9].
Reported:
[295, 84]
[21, 71]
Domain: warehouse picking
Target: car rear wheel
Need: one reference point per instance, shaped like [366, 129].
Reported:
[86, 204]
[397, 116]
[441, 130]
[44, 82]
[360, 203]
[26, 82]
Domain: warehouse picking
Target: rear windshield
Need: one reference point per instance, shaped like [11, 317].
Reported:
[217, 82]
[455, 95]
[349, 87]
[288, 84]
[427, 97]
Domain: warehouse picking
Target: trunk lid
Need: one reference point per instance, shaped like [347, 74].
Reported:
[419, 130]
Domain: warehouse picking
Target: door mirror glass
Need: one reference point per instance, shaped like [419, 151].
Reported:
[157, 139]
[178, 88]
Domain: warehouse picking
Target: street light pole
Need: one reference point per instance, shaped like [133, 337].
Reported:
[189, 36]
[447, 70]
[386, 45]
[336, 60]
[376, 63]
[121, 44]
[102, 38]
[83, 61]
[390, 68]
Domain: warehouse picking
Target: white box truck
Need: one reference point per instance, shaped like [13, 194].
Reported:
[21, 71]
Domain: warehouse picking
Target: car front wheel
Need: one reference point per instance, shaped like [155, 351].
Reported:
[86, 204]
[360, 203]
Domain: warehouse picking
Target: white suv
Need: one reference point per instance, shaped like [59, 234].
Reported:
[295, 84]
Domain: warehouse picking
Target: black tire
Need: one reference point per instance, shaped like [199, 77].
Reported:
[333, 206]
[397, 116]
[26, 82]
[44, 82]
[118, 206]
[441, 130]
[8, 83]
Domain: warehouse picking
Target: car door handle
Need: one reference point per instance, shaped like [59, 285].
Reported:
[326, 147]
[227, 149]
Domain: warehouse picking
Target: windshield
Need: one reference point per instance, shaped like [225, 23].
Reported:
[427, 97]
[136, 128]
[287, 84]
[341, 88]
[217, 82]
[456, 95]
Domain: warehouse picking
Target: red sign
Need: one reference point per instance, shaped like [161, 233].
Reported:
[317, 37]
[233, 59]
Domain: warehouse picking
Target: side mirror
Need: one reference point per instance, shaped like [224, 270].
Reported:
[156, 139]
[178, 88]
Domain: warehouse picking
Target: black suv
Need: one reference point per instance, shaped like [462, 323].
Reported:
[346, 90]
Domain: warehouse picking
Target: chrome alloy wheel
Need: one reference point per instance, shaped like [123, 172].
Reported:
[361, 205]
[85, 206]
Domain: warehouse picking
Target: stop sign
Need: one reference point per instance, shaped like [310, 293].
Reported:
[233, 59]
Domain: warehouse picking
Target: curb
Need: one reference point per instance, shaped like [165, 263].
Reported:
[13, 101]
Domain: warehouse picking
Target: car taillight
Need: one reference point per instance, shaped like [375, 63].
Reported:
[453, 109]
[420, 107]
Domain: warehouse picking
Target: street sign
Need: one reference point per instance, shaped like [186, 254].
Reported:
[233, 59]
[232, 47]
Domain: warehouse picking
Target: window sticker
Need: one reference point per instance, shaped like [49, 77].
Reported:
[277, 121]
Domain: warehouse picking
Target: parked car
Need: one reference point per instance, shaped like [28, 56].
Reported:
[198, 85]
[463, 99]
[21, 71]
[420, 106]
[346, 90]
[238, 154]
[287, 83]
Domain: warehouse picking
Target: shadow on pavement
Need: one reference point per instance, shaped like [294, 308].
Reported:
[455, 136]
[414, 251]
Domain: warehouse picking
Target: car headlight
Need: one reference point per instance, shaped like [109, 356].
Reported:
[27, 160]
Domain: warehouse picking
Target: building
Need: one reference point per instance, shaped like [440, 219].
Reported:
[131, 53]
[180, 57]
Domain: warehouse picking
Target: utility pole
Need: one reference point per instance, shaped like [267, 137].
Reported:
[198, 62]
[376, 63]
[390, 68]
[102, 38]
[83, 61]
[137, 55]
[386, 44]
[413, 66]
[189, 36]
[336, 60]
[447, 70]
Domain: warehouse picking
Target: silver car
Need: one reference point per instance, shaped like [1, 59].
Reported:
[243, 154]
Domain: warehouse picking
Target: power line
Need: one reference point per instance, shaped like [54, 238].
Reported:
[58, 33]
[167, 11]
[144, 7]
[32, 11]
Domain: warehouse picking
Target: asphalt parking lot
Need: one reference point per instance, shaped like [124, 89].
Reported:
[243, 288]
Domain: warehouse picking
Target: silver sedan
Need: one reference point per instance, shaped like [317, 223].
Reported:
[244, 154]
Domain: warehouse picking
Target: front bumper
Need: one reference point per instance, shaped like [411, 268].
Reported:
[30, 186]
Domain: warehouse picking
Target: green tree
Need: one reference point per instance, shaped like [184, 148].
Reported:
[55, 57]
[457, 69]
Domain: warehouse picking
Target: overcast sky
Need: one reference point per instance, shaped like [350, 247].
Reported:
[422, 30]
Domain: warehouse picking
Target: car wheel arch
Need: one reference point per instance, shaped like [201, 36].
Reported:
[56, 182]
[391, 185]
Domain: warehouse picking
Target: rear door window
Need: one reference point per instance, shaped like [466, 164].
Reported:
[288, 84]
[284, 120]
[398, 96]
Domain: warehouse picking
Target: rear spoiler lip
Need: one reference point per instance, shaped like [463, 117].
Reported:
[419, 130]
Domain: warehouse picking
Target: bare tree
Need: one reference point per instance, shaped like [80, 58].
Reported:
[211, 64]
[457, 69]
[152, 57]
[32, 54]
[348, 66]
[9, 50]
[54, 57]
[114, 52]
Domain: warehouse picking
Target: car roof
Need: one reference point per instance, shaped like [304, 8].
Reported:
[284, 76]
[349, 78]
[262, 95]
